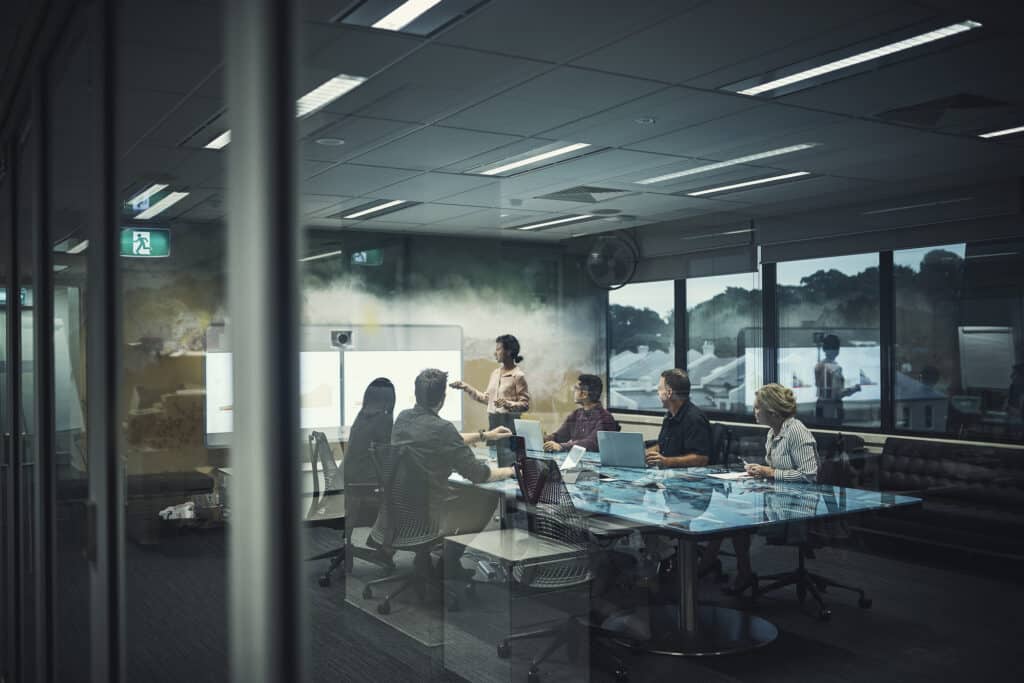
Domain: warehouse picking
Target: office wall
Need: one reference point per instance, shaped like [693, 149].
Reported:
[535, 292]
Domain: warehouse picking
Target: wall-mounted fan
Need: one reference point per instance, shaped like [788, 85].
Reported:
[612, 260]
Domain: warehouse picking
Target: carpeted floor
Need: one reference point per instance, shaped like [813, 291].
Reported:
[928, 623]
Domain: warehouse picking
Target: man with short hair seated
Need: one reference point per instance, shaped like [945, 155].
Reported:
[582, 425]
[685, 437]
[437, 447]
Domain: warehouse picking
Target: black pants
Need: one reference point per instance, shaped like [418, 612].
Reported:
[505, 455]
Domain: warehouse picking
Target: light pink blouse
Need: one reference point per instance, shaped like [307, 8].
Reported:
[506, 384]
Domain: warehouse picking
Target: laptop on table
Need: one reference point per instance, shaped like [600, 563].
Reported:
[530, 430]
[621, 449]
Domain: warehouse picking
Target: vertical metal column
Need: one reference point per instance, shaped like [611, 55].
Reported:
[265, 604]
[887, 315]
[105, 509]
[681, 332]
[770, 335]
[686, 559]
[43, 373]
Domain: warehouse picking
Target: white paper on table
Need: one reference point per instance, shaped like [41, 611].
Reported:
[574, 457]
[730, 476]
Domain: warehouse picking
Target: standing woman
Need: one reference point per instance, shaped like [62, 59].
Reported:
[507, 396]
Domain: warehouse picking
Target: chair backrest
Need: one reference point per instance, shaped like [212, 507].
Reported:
[834, 466]
[320, 454]
[551, 515]
[404, 520]
[721, 436]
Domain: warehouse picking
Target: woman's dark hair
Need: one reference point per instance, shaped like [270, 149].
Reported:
[372, 425]
[379, 398]
[511, 346]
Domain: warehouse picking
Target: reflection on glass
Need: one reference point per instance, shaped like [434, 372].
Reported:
[958, 339]
[641, 343]
[74, 210]
[724, 355]
[829, 352]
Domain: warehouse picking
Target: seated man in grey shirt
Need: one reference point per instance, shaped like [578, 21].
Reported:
[436, 446]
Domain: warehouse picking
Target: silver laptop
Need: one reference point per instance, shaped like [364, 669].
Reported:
[621, 449]
[530, 430]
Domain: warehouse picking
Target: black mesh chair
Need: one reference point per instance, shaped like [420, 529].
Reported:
[721, 440]
[362, 503]
[404, 523]
[551, 515]
[326, 511]
[833, 470]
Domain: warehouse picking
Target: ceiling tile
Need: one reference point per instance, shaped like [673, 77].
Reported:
[716, 34]
[353, 179]
[551, 100]
[430, 187]
[434, 147]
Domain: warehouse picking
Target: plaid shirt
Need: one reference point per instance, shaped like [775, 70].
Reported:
[582, 426]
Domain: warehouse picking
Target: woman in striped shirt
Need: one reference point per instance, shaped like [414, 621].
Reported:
[791, 454]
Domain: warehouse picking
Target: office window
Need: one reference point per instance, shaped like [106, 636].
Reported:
[957, 339]
[641, 343]
[724, 354]
[829, 350]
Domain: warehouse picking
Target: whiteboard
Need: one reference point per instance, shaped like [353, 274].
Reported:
[986, 357]
[401, 367]
[319, 391]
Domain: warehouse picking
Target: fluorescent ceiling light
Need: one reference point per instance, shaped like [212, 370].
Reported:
[729, 162]
[220, 141]
[162, 205]
[315, 100]
[860, 58]
[326, 92]
[404, 14]
[59, 267]
[1000, 253]
[535, 158]
[326, 254]
[559, 221]
[375, 209]
[748, 183]
[78, 248]
[1000, 133]
[146, 194]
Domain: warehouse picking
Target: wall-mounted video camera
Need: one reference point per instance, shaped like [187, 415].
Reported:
[342, 339]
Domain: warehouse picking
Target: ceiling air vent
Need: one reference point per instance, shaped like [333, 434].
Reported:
[586, 194]
[942, 111]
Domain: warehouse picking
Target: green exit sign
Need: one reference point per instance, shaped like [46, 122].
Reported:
[145, 243]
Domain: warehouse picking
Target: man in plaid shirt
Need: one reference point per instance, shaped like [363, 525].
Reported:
[583, 424]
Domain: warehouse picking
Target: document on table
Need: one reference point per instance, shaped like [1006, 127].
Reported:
[730, 476]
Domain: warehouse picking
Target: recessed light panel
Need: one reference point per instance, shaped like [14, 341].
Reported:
[1001, 133]
[843, 62]
[533, 158]
[748, 183]
[555, 221]
[729, 162]
[413, 17]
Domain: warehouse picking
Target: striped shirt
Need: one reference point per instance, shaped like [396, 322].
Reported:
[792, 452]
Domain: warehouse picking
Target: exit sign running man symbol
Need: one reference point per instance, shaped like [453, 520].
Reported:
[141, 243]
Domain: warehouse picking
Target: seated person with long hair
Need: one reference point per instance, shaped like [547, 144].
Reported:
[372, 425]
[791, 454]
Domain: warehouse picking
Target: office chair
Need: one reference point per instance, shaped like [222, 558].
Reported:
[362, 502]
[721, 440]
[404, 522]
[552, 515]
[327, 511]
[833, 470]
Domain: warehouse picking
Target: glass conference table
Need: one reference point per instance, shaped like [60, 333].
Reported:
[695, 505]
